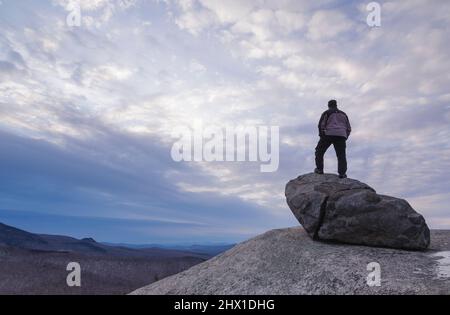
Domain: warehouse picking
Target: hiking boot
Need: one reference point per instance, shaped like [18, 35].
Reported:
[317, 171]
[342, 176]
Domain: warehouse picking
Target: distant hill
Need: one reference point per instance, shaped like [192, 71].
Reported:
[13, 237]
[209, 249]
[36, 264]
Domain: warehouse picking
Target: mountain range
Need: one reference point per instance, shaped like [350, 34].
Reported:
[36, 263]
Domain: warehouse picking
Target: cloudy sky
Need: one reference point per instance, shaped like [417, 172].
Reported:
[87, 112]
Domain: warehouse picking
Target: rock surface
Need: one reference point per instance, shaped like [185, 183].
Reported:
[346, 210]
[288, 261]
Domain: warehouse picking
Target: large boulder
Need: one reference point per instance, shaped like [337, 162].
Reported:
[346, 210]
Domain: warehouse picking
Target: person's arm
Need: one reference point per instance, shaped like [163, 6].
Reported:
[349, 128]
[322, 124]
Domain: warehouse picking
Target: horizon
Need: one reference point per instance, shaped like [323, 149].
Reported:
[31, 228]
[87, 112]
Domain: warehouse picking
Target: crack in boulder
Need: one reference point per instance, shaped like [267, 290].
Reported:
[324, 204]
[323, 208]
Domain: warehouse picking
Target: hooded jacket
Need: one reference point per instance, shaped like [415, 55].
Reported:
[334, 122]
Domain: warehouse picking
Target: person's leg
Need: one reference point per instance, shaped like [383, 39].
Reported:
[339, 146]
[322, 146]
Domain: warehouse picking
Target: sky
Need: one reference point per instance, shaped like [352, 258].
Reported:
[87, 112]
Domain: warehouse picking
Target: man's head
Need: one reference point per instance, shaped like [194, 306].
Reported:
[332, 104]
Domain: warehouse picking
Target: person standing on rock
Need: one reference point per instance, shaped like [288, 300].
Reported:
[334, 128]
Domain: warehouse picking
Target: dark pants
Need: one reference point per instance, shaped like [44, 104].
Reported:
[339, 147]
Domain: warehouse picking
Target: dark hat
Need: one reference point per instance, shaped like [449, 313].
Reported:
[332, 103]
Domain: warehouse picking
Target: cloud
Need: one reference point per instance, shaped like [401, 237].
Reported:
[231, 11]
[88, 5]
[88, 112]
[123, 177]
[196, 21]
[108, 72]
[7, 67]
[325, 25]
